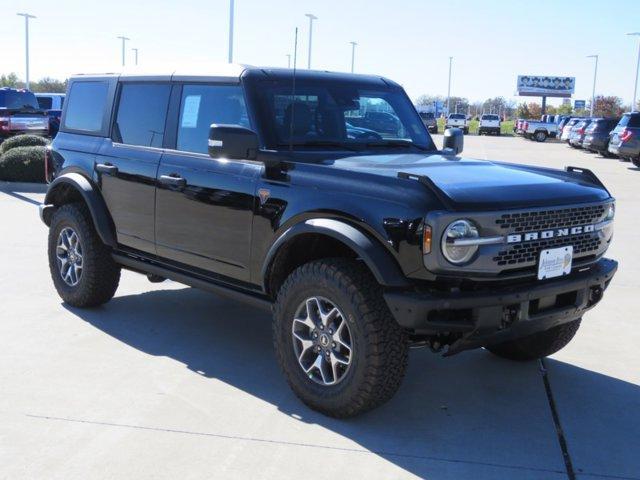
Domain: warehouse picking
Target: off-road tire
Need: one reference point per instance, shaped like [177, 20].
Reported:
[380, 350]
[100, 274]
[538, 345]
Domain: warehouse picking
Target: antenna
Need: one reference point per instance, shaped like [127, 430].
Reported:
[293, 90]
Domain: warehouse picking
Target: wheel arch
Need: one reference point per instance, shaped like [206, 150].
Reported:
[74, 187]
[322, 238]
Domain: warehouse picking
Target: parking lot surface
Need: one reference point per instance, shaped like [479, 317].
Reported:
[166, 381]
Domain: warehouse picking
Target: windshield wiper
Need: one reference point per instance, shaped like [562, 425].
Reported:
[395, 143]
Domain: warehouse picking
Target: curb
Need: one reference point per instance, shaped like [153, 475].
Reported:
[23, 187]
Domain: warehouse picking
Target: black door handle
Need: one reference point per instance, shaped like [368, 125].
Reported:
[106, 168]
[173, 180]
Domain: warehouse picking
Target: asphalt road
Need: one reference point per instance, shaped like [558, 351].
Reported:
[169, 382]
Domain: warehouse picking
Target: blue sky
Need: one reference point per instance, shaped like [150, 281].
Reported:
[407, 40]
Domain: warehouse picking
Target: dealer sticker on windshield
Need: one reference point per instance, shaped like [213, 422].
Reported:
[555, 262]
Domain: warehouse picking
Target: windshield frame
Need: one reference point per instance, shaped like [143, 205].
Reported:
[262, 116]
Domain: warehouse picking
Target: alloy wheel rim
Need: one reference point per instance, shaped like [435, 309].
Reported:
[69, 256]
[322, 341]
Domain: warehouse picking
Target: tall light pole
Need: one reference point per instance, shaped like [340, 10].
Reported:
[353, 54]
[124, 39]
[231, 11]
[288, 60]
[595, 74]
[312, 17]
[449, 87]
[135, 52]
[26, 34]
[635, 85]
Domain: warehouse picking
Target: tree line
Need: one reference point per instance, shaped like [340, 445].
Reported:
[46, 84]
[605, 106]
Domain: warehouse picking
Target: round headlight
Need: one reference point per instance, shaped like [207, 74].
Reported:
[610, 212]
[457, 252]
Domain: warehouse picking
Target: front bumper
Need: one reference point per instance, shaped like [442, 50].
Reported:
[492, 316]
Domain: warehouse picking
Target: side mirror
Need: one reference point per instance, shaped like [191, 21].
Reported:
[232, 141]
[453, 141]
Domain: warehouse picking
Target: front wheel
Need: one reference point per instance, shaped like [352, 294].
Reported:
[337, 343]
[538, 345]
[81, 266]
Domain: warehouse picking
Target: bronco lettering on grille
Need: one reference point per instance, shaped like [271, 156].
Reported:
[557, 232]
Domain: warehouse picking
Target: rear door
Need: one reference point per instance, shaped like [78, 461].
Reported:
[204, 206]
[127, 162]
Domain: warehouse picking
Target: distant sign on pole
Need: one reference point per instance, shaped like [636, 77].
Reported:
[579, 104]
[545, 86]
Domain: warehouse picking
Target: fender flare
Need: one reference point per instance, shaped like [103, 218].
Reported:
[381, 263]
[92, 198]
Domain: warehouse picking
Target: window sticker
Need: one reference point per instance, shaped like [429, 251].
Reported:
[190, 111]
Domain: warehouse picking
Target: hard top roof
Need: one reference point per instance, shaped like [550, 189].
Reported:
[231, 72]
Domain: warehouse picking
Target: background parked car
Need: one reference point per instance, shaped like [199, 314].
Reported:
[457, 120]
[563, 123]
[489, 124]
[52, 104]
[577, 132]
[381, 122]
[597, 135]
[566, 129]
[429, 120]
[20, 113]
[625, 138]
[50, 101]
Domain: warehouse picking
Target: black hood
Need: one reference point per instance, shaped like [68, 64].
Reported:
[469, 184]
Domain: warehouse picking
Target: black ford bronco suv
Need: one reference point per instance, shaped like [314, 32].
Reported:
[273, 187]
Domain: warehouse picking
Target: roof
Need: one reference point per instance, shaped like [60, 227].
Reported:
[228, 72]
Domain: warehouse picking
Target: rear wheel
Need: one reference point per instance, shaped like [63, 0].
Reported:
[81, 266]
[540, 136]
[636, 162]
[538, 345]
[337, 343]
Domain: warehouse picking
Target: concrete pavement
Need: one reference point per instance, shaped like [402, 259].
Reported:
[165, 381]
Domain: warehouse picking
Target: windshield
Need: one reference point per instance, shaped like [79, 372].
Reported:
[12, 99]
[332, 114]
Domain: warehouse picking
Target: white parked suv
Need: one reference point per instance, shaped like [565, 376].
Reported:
[457, 120]
[489, 124]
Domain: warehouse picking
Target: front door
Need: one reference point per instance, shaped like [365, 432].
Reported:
[127, 163]
[204, 206]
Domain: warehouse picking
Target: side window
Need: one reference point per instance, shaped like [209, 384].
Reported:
[86, 106]
[142, 111]
[202, 105]
[44, 102]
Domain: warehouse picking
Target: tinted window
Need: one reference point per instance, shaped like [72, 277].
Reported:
[457, 116]
[490, 117]
[86, 106]
[18, 99]
[202, 105]
[142, 111]
[44, 102]
[632, 121]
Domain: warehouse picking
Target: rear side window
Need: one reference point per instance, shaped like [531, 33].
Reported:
[44, 102]
[86, 106]
[633, 121]
[142, 111]
[202, 105]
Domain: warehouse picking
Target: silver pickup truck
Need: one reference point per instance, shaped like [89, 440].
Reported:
[457, 120]
[539, 131]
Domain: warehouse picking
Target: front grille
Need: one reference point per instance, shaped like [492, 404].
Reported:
[546, 219]
[584, 244]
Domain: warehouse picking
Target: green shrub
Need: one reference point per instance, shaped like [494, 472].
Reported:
[23, 164]
[23, 141]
